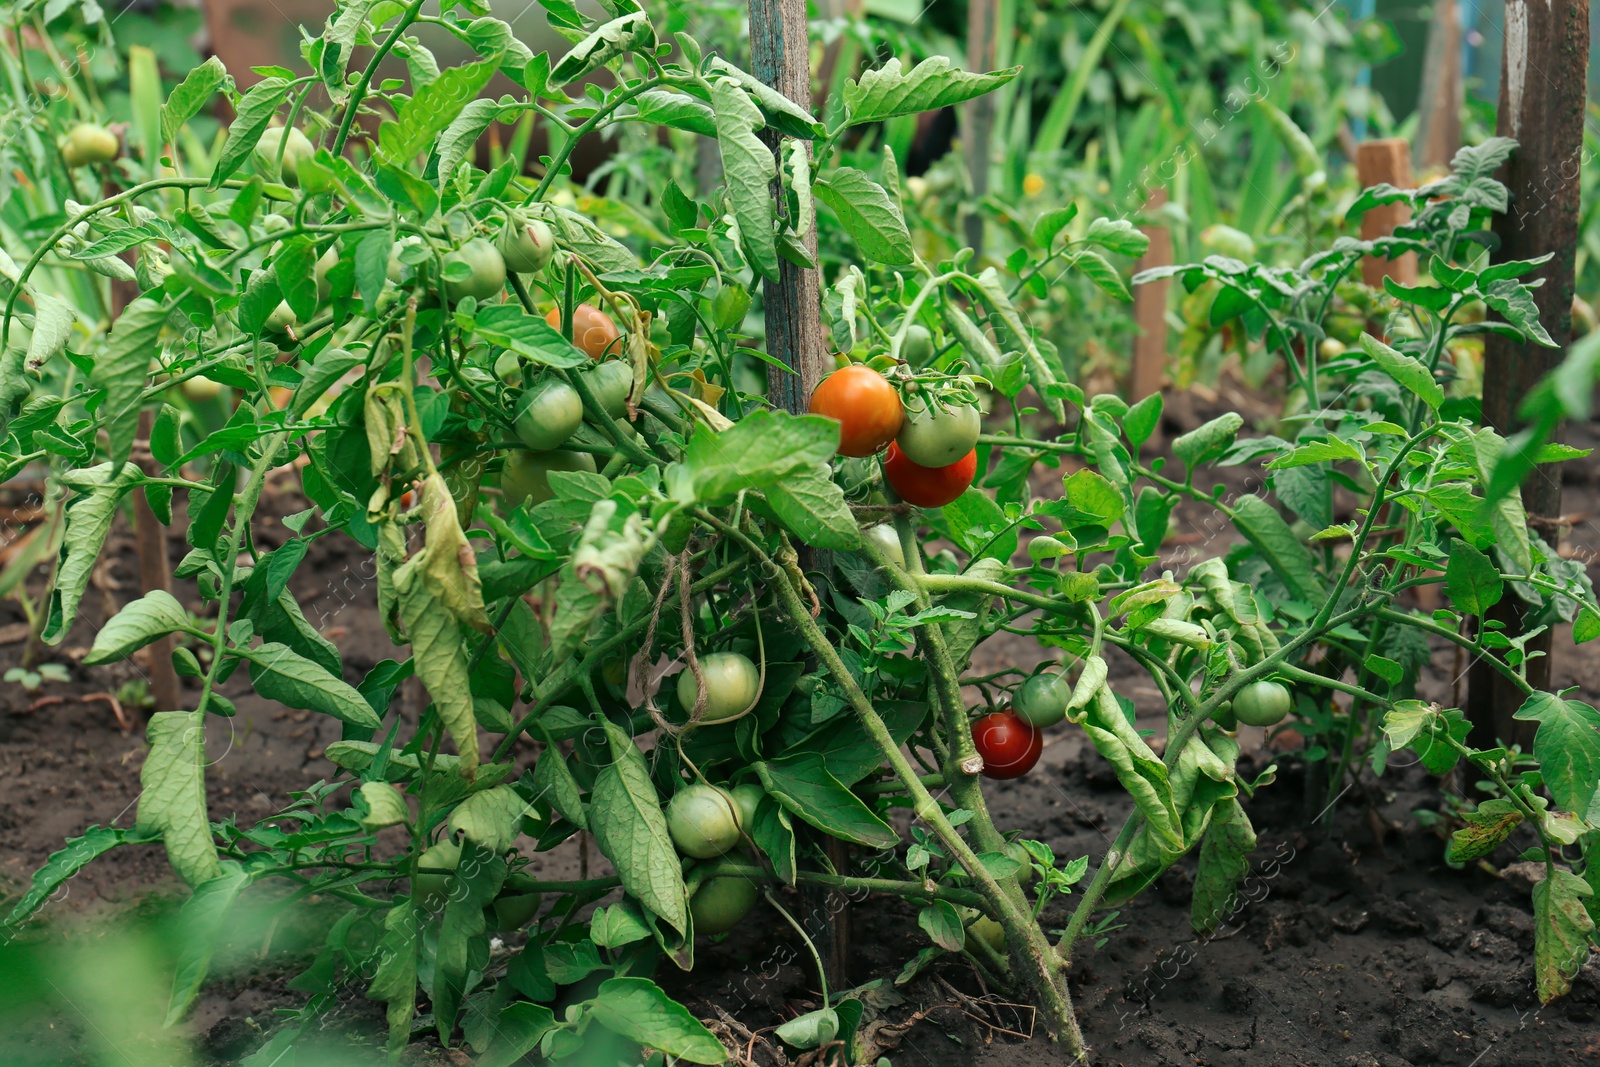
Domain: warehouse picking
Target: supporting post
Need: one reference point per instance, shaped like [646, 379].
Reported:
[780, 55]
[1387, 160]
[1542, 79]
[1439, 105]
[975, 134]
[154, 571]
[1150, 316]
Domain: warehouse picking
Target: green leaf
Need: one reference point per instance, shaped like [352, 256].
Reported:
[529, 336]
[428, 113]
[1409, 372]
[140, 622]
[440, 656]
[89, 517]
[629, 828]
[189, 96]
[491, 817]
[617, 925]
[1514, 301]
[1205, 443]
[250, 117]
[1405, 720]
[749, 170]
[280, 673]
[802, 784]
[332, 364]
[1142, 419]
[1486, 829]
[1040, 372]
[1561, 927]
[1097, 269]
[517, 1032]
[461, 136]
[1288, 557]
[1048, 225]
[1586, 626]
[1224, 861]
[979, 526]
[1092, 500]
[811, 1030]
[638, 1010]
[930, 85]
[52, 329]
[1567, 746]
[553, 781]
[1472, 580]
[463, 946]
[294, 268]
[940, 921]
[172, 794]
[678, 110]
[1117, 236]
[1432, 298]
[395, 979]
[122, 368]
[868, 214]
[759, 450]
[67, 862]
[199, 926]
[779, 112]
[1332, 449]
[812, 507]
[629, 33]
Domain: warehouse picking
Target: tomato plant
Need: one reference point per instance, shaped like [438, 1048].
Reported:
[540, 418]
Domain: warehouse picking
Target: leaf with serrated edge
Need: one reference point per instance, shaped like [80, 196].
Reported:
[749, 170]
[441, 659]
[629, 828]
[140, 622]
[930, 85]
[280, 673]
[1560, 931]
[172, 794]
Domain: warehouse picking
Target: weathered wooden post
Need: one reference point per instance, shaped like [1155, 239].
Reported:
[1387, 160]
[1439, 104]
[780, 56]
[1150, 316]
[1542, 81]
[975, 133]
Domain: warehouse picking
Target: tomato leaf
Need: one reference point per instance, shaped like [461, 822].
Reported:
[395, 980]
[172, 797]
[1224, 861]
[629, 828]
[199, 926]
[280, 673]
[869, 216]
[811, 506]
[930, 85]
[637, 1009]
[1567, 746]
[89, 517]
[140, 622]
[434, 107]
[1560, 931]
[749, 170]
[1484, 831]
[802, 784]
[250, 117]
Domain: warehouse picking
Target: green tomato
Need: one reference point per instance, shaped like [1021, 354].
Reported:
[281, 318]
[548, 414]
[432, 888]
[989, 932]
[325, 262]
[1262, 704]
[295, 152]
[748, 798]
[525, 479]
[200, 388]
[487, 269]
[527, 245]
[937, 437]
[720, 902]
[731, 683]
[1027, 876]
[888, 541]
[703, 821]
[610, 382]
[517, 903]
[396, 268]
[917, 348]
[1042, 700]
[508, 368]
[88, 142]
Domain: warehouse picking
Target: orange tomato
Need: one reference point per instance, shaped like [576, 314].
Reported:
[865, 406]
[592, 330]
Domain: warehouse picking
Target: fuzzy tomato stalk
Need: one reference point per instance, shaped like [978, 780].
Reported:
[1009, 746]
[864, 404]
[592, 330]
[928, 487]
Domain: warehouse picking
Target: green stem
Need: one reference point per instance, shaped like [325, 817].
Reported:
[358, 95]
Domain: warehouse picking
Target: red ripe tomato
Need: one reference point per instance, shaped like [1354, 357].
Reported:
[1009, 746]
[929, 487]
[592, 330]
[865, 406]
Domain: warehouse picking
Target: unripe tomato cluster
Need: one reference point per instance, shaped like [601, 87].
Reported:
[706, 822]
[1010, 741]
[932, 457]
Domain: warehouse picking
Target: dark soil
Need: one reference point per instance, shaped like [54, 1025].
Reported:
[1357, 944]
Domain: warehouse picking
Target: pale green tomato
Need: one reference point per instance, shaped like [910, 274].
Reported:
[1330, 348]
[1262, 704]
[325, 262]
[917, 348]
[396, 269]
[720, 902]
[548, 415]
[200, 388]
[297, 151]
[281, 319]
[731, 683]
[88, 142]
[1042, 700]
[610, 382]
[990, 933]
[703, 821]
[525, 479]
[508, 368]
[514, 911]
[432, 888]
[883, 535]
[936, 437]
[527, 245]
[748, 798]
[488, 277]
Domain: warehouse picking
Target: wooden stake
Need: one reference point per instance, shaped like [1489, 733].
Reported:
[1439, 105]
[1389, 161]
[1150, 316]
[975, 133]
[1541, 106]
[780, 56]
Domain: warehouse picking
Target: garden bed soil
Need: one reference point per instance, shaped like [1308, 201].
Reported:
[1356, 944]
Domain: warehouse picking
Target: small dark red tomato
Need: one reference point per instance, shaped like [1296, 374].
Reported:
[865, 406]
[929, 487]
[1009, 746]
